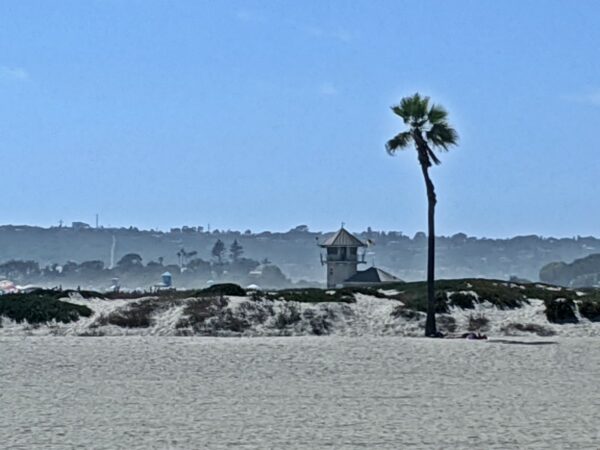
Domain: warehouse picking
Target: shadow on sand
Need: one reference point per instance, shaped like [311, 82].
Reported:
[509, 341]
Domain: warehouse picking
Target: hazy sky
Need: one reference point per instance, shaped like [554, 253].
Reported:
[266, 115]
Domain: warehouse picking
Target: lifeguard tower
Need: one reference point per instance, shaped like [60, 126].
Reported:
[342, 258]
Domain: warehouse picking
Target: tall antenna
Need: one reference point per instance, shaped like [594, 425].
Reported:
[112, 251]
[96, 220]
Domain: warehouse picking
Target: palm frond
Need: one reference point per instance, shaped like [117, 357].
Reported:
[442, 135]
[407, 105]
[428, 129]
[402, 112]
[437, 114]
[398, 142]
[420, 108]
[413, 110]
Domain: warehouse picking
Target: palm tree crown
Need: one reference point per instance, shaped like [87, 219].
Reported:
[428, 129]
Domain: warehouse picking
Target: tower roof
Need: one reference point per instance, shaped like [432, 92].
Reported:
[372, 275]
[343, 238]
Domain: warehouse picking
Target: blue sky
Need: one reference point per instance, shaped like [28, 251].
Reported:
[266, 115]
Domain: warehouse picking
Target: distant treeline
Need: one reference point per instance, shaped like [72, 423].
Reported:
[131, 272]
[296, 252]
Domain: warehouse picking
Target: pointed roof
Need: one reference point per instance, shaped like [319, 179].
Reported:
[343, 238]
[372, 275]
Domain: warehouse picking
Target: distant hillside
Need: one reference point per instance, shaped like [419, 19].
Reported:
[295, 251]
[583, 272]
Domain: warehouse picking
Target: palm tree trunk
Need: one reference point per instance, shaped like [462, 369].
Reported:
[430, 328]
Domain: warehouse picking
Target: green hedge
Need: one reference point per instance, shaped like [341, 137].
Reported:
[223, 289]
[560, 310]
[41, 306]
[589, 307]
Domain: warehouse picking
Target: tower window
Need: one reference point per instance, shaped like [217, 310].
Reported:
[343, 255]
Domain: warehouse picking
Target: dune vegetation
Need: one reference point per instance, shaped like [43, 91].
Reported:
[41, 306]
[214, 305]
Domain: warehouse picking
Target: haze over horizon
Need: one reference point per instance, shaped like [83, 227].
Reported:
[267, 115]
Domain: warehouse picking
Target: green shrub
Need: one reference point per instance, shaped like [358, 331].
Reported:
[138, 314]
[499, 293]
[179, 294]
[463, 300]
[126, 295]
[590, 308]
[418, 301]
[198, 310]
[287, 316]
[560, 310]
[227, 321]
[255, 312]
[41, 306]
[224, 289]
[136, 317]
[319, 324]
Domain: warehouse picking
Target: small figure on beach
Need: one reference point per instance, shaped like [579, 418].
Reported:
[474, 336]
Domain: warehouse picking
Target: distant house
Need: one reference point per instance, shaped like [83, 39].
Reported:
[342, 259]
[80, 226]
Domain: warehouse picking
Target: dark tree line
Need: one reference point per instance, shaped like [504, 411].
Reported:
[130, 269]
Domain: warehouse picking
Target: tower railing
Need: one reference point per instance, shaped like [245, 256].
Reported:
[358, 259]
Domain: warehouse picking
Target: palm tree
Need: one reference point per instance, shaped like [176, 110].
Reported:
[428, 129]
